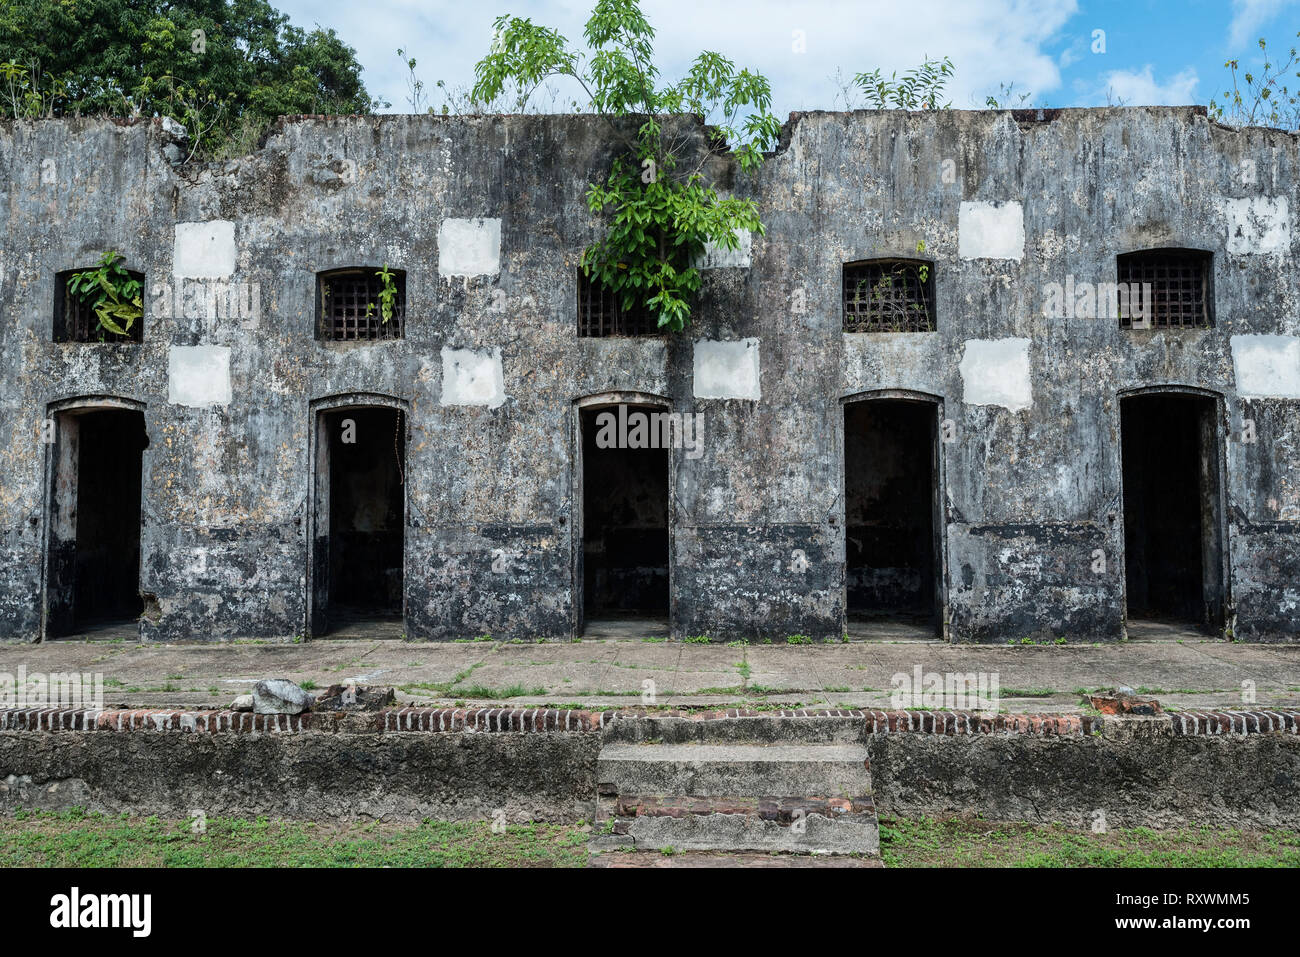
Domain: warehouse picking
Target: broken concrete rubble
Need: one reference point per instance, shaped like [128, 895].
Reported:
[1123, 701]
[280, 696]
[354, 698]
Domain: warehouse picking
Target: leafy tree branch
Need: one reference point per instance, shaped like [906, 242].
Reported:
[661, 211]
[222, 68]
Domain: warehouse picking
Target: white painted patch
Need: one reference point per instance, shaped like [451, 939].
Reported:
[727, 370]
[198, 376]
[471, 377]
[716, 257]
[996, 372]
[204, 250]
[469, 247]
[1258, 224]
[1267, 366]
[991, 230]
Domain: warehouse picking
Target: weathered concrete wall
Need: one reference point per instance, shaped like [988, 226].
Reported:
[1159, 782]
[1225, 769]
[487, 218]
[539, 777]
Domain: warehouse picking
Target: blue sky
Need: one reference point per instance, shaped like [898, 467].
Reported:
[1155, 51]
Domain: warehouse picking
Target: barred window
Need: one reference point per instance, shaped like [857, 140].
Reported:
[75, 317]
[601, 313]
[364, 304]
[1181, 286]
[889, 295]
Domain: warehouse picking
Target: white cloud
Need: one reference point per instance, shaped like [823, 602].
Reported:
[989, 41]
[1139, 88]
[1248, 16]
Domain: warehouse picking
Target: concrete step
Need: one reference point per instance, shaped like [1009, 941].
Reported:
[714, 859]
[791, 825]
[743, 785]
[743, 770]
[759, 729]
[817, 834]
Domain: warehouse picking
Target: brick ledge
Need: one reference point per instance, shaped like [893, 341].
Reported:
[542, 720]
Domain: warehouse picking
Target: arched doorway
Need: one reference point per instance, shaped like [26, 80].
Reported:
[358, 517]
[622, 535]
[1174, 554]
[893, 525]
[92, 579]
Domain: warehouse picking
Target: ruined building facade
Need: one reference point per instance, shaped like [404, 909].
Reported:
[914, 397]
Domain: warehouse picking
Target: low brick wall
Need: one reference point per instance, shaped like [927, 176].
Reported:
[1218, 768]
[1231, 768]
[244, 722]
[325, 766]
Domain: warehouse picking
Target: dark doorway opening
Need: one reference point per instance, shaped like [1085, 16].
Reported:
[890, 498]
[360, 522]
[624, 559]
[93, 582]
[1172, 543]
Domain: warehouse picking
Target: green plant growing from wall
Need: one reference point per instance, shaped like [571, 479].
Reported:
[920, 88]
[197, 109]
[112, 293]
[27, 98]
[1267, 98]
[661, 211]
[1007, 98]
[387, 293]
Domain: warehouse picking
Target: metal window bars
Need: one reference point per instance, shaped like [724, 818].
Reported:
[601, 314]
[350, 307]
[889, 295]
[1180, 288]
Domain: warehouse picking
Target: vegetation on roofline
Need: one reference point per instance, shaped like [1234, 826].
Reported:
[660, 209]
[1270, 97]
[222, 68]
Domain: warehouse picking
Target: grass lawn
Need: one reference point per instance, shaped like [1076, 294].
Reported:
[78, 839]
[954, 842]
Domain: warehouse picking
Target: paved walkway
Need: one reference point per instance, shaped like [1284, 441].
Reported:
[616, 672]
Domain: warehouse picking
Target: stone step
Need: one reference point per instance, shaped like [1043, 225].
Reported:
[744, 770]
[790, 825]
[757, 729]
[783, 810]
[778, 785]
[715, 859]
